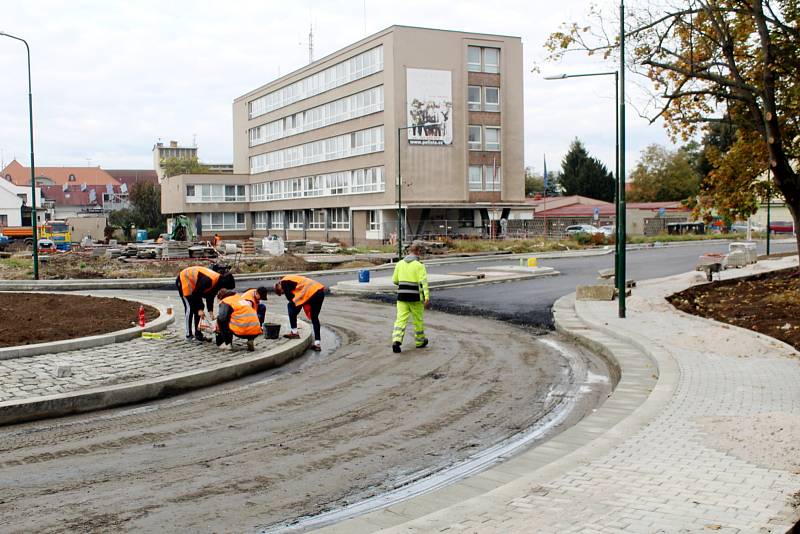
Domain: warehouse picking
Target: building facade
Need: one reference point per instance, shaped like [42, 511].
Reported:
[163, 152]
[317, 152]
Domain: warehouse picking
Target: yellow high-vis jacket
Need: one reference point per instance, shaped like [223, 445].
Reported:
[411, 279]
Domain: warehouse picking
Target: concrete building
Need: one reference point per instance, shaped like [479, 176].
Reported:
[162, 152]
[317, 152]
[15, 204]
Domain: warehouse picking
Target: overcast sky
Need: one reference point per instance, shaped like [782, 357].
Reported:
[111, 78]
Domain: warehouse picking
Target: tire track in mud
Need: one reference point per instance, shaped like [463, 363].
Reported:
[245, 455]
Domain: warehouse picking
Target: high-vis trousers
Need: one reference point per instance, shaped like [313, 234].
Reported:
[404, 309]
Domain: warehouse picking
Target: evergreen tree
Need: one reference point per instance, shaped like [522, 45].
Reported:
[584, 175]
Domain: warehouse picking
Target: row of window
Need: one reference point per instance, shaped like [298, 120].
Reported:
[489, 102]
[483, 59]
[335, 218]
[484, 137]
[216, 193]
[484, 178]
[347, 71]
[223, 221]
[342, 146]
[369, 180]
[350, 107]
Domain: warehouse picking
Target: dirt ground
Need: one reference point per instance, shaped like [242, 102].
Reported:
[321, 432]
[27, 318]
[768, 303]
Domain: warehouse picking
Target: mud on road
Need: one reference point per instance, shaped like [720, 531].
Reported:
[254, 453]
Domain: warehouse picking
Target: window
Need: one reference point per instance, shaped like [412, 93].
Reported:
[491, 60]
[474, 98]
[296, 220]
[474, 140]
[216, 193]
[71, 177]
[276, 220]
[317, 220]
[340, 218]
[491, 178]
[492, 98]
[347, 71]
[492, 138]
[189, 190]
[223, 221]
[261, 220]
[375, 218]
[473, 59]
[475, 178]
[4, 220]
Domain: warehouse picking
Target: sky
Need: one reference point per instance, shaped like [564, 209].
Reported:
[110, 79]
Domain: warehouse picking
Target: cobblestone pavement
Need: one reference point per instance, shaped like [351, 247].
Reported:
[118, 363]
[715, 457]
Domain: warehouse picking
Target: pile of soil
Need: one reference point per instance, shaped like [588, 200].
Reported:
[27, 318]
[768, 303]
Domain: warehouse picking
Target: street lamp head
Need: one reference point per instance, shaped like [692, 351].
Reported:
[555, 77]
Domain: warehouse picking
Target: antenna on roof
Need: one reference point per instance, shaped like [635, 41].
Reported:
[310, 41]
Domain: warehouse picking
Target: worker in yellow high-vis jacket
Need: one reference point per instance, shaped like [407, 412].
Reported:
[413, 297]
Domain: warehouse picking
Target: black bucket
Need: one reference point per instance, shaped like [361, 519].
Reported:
[272, 331]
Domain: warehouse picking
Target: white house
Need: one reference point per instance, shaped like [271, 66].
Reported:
[12, 198]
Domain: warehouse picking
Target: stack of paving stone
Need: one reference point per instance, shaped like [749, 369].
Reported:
[175, 249]
[248, 247]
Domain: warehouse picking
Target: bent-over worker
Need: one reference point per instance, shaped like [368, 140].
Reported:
[255, 296]
[302, 293]
[236, 317]
[195, 284]
[413, 297]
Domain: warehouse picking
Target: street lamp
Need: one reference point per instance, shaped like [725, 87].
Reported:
[400, 196]
[33, 166]
[619, 245]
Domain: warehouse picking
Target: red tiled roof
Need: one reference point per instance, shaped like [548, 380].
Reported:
[578, 210]
[134, 176]
[58, 175]
[74, 196]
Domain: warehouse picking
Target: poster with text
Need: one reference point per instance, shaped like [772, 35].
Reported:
[430, 107]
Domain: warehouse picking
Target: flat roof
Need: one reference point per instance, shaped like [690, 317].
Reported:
[358, 43]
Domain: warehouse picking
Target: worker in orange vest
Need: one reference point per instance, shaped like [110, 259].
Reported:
[255, 296]
[236, 318]
[195, 284]
[302, 293]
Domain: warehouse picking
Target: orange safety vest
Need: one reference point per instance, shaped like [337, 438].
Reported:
[188, 278]
[252, 296]
[306, 287]
[244, 321]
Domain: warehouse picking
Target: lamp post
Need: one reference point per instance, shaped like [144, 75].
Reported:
[617, 240]
[400, 196]
[33, 166]
[621, 286]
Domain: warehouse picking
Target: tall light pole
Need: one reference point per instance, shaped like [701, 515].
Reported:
[33, 166]
[621, 231]
[617, 241]
[400, 196]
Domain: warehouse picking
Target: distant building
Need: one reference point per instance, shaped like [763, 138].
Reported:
[317, 152]
[15, 204]
[162, 152]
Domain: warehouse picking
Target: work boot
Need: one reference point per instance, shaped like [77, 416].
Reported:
[396, 347]
[226, 346]
[189, 337]
[292, 335]
[316, 347]
[423, 344]
[200, 337]
[251, 345]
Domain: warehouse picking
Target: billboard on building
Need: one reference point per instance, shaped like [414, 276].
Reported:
[430, 106]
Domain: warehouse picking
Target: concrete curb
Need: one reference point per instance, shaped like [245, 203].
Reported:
[117, 395]
[636, 400]
[36, 349]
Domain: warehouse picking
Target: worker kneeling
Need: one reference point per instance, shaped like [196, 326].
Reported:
[236, 317]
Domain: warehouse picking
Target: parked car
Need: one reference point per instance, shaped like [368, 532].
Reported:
[741, 228]
[781, 227]
[582, 229]
[608, 230]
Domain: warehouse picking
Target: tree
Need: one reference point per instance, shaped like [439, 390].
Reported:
[533, 182]
[145, 199]
[175, 166]
[713, 61]
[662, 174]
[584, 175]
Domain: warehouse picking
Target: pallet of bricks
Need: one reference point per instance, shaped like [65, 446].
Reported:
[248, 247]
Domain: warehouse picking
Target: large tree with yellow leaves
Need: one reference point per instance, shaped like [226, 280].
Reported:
[712, 61]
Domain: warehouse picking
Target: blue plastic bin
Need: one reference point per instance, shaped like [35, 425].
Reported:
[141, 235]
[363, 276]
